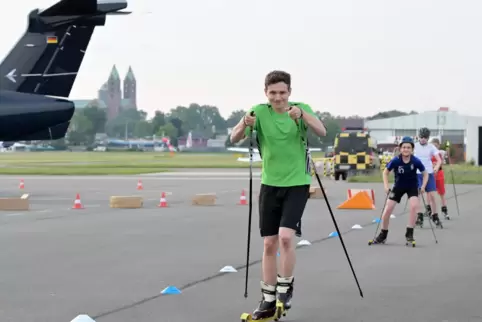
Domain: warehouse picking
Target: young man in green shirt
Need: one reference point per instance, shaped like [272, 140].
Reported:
[281, 128]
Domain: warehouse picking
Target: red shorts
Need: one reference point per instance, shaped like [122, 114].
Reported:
[440, 182]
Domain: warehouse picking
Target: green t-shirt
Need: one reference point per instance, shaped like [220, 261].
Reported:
[285, 162]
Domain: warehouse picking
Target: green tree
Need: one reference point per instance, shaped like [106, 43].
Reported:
[211, 117]
[125, 123]
[200, 118]
[168, 130]
[389, 114]
[96, 115]
[178, 124]
[234, 118]
[80, 130]
[332, 127]
[157, 121]
[143, 129]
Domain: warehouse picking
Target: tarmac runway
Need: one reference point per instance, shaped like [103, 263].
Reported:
[111, 264]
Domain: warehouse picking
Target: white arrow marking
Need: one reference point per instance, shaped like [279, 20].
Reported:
[48, 75]
[11, 76]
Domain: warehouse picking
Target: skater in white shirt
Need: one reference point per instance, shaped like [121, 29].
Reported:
[440, 179]
[425, 152]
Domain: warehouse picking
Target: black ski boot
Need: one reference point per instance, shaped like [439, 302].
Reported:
[445, 212]
[428, 211]
[409, 237]
[437, 221]
[267, 306]
[285, 290]
[419, 220]
[381, 238]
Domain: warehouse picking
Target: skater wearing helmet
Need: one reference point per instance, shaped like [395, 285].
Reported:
[425, 151]
[405, 167]
[281, 132]
[440, 179]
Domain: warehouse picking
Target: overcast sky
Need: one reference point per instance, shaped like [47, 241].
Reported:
[345, 56]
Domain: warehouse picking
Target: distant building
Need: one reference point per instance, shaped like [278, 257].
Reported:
[112, 96]
[474, 140]
[447, 126]
[443, 123]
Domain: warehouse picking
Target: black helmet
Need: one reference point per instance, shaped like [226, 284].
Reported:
[424, 133]
[406, 139]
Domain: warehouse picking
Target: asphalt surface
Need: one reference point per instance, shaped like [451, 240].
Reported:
[112, 264]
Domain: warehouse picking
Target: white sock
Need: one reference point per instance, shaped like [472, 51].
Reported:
[271, 288]
[284, 289]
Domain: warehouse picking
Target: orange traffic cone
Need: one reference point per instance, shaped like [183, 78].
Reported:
[242, 199]
[22, 185]
[163, 202]
[139, 185]
[77, 203]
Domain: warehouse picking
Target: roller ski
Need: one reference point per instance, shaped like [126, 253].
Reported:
[269, 309]
[285, 294]
[445, 212]
[410, 241]
[437, 221]
[380, 239]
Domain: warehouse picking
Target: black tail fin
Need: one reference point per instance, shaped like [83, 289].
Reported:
[48, 57]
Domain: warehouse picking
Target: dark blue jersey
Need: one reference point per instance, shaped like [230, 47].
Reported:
[405, 173]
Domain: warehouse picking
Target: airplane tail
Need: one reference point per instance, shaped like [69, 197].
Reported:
[29, 117]
[47, 58]
[55, 132]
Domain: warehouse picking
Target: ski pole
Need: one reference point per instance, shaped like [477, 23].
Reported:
[308, 155]
[336, 225]
[453, 181]
[381, 215]
[250, 207]
[429, 219]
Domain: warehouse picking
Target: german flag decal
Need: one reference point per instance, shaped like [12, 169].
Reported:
[52, 40]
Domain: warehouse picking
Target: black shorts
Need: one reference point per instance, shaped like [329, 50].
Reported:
[397, 193]
[281, 207]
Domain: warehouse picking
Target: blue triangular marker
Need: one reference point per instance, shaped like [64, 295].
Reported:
[171, 290]
[376, 220]
[333, 234]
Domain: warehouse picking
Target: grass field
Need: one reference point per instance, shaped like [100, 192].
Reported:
[104, 163]
[125, 163]
[462, 174]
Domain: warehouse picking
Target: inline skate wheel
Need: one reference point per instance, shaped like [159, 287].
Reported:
[246, 317]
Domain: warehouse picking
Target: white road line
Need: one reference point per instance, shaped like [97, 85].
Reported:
[28, 213]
